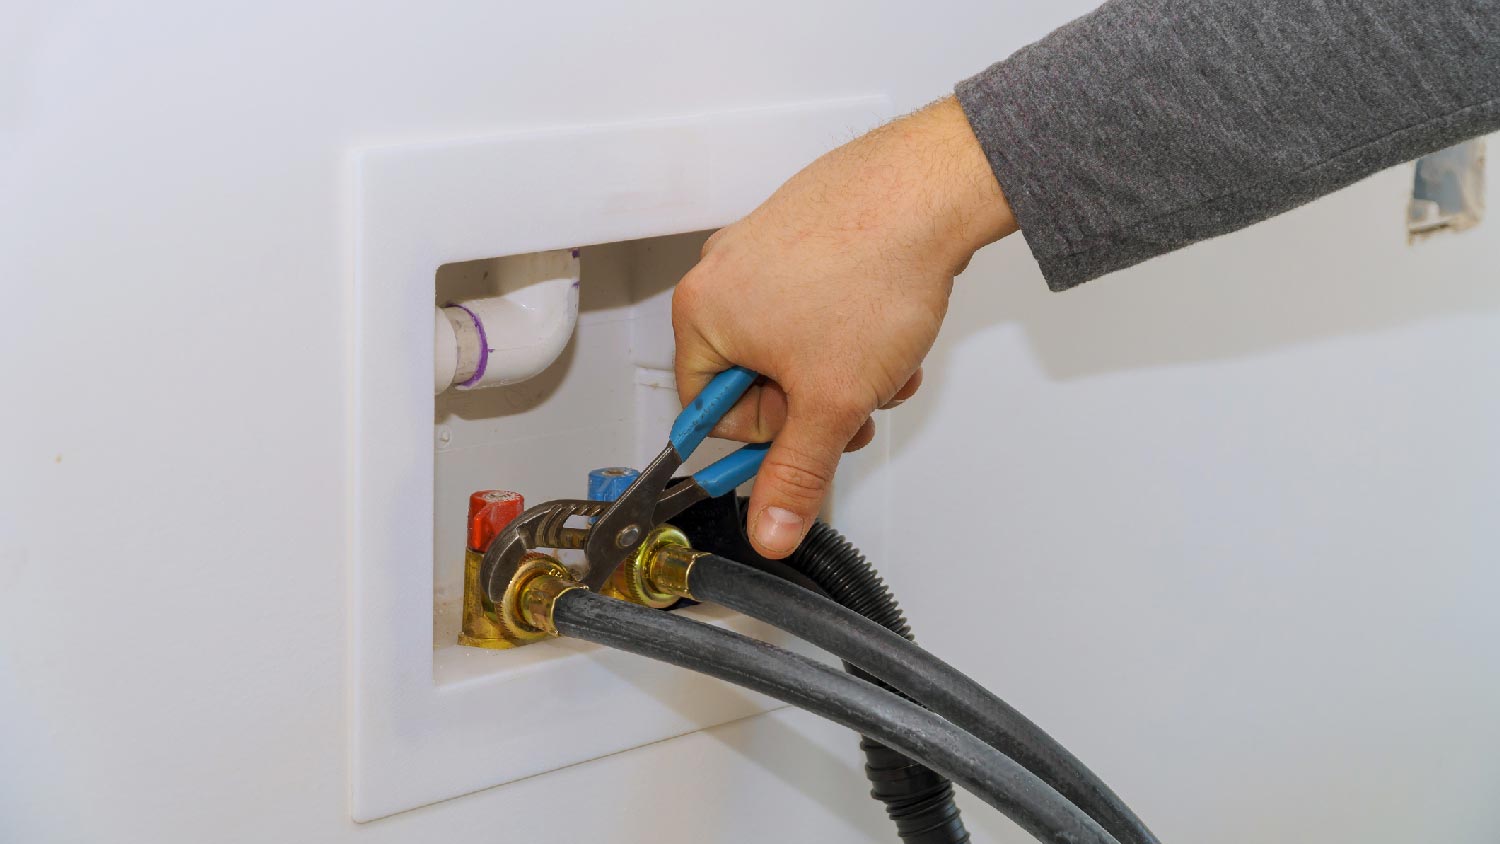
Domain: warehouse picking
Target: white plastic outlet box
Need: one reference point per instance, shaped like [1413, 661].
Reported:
[431, 720]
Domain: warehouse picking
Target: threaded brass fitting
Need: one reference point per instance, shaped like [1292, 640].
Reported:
[669, 568]
[539, 600]
[632, 580]
[655, 576]
[522, 623]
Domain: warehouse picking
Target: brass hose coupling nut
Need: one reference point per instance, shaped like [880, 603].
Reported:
[525, 612]
[633, 581]
[539, 600]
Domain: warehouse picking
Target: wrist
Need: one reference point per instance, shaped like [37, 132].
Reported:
[959, 194]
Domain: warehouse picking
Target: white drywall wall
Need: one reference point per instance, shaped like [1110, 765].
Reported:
[1224, 522]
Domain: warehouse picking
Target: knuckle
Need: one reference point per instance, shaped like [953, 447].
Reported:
[708, 245]
[686, 296]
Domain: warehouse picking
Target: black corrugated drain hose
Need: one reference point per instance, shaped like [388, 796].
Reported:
[918, 800]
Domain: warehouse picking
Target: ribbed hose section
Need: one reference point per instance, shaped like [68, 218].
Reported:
[832, 562]
[806, 683]
[918, 800]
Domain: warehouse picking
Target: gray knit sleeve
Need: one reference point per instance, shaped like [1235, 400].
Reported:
[1148, 125]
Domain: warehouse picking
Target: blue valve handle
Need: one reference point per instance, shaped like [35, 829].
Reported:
[705, 411]
[610, 482]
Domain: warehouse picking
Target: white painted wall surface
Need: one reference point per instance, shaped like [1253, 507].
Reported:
[1224, 522]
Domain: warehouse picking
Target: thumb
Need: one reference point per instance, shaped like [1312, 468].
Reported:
[795, 477]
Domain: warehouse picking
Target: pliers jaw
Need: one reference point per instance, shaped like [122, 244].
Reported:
[624, 526]
[542, 526]
[621, 526]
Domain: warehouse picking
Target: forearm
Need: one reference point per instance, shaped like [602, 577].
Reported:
[1148, 125]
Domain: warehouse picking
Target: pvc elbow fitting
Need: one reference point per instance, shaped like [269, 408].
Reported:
[506, 339]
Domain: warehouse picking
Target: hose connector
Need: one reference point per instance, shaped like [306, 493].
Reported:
[670, 568]
[634, 580]
[539, 600]
[525, 610]
[655, 576]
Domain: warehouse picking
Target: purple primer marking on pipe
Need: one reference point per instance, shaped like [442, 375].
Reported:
[484, 346]
[576, 252]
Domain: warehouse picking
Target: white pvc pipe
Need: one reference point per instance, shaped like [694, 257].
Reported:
[506, 339]
[445, 351]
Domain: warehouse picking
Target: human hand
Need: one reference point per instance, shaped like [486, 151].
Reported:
[834, 289]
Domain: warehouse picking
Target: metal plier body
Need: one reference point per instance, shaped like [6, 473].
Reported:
[621, 525]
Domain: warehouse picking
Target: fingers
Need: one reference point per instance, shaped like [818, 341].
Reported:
[863, 437]
[797, 475]
[756, 417]
[907, 390]
[697, 360]
[761, 414]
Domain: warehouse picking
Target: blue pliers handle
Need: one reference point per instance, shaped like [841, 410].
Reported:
[700, 417]
[621, 529]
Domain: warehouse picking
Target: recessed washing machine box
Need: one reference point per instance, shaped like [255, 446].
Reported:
[607, 400]
[433, 720]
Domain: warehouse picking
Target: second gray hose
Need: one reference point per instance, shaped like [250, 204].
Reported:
[834, 695]
[913, 670]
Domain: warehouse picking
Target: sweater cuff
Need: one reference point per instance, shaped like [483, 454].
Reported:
[996, 102]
